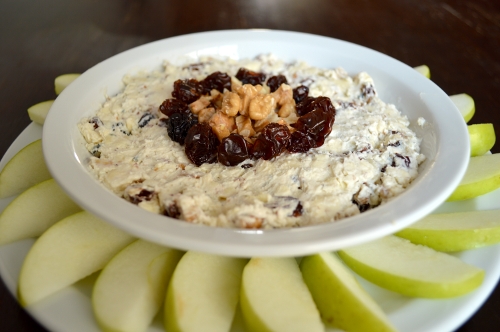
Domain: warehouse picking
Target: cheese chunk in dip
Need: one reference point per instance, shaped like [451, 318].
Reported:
[369, 156]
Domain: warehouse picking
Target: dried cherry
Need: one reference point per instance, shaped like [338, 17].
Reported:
[218, 81]
[316, 124]
[250, 77]
[187, 90]
[201, 144]
[274, 82]
[233, 150]
[271, 142]
[300, 142]
[178, 125]
[171, 106]
[300, 93]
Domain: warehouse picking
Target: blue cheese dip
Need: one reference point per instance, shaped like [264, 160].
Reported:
[369, 157]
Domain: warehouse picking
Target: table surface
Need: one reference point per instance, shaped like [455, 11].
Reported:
[458, 40]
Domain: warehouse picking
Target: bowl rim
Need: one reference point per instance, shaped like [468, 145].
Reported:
[446, 171]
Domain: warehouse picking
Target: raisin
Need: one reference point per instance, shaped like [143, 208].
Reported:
[143, 195]
[318, 123]
[271, 142]
[187, 90]
[201, 144]
[245, 166]
[398, 143]
[300, 142]
[250, 77]
[274, 82]
[300, 93]
[96, 122]
[171, 106]
[144, 120]
[299, 210]
[178, 125]
[172, 211]
[218, 81]
[406, 159]
[233, 150]
[310, 104]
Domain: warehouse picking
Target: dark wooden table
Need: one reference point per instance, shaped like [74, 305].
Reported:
[39, 40]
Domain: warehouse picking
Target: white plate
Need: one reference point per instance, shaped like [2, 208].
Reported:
[69, 310]
[445, 143]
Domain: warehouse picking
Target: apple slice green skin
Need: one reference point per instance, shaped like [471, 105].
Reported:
[62, 81]
[203, 293]
[34, 211]
[457, 231]
[24, 170]
[130, 289]
[424, 70]
[38, 112]
[342, 302]
[482, 138]
[482, 176]
[412, 270]
[70, 250]
[465, 105]
[274, 297]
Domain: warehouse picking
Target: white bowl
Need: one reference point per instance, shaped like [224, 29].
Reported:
[444, 142]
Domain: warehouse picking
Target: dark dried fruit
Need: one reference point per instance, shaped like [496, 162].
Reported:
[96, 122]
[145, 118]
[171, 106]
[178, 125]
[187, 90]
[300, 142]
[201, 144]
[172, 211]
[274, 82]
[250, 77]
[316, 123]
[246, 166]
[310, 104]
[218, 81]
[299, 210]
[300, 93]
[271, 142]
[233, 150]
[143, 195]
[406, 159]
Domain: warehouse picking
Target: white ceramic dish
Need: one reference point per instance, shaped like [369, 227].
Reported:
[445, 143]
[70, 309]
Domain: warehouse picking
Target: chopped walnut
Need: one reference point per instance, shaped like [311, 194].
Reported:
[244, 126]
[284, 95]
[261, 106]
[216, 98]
[200, 104]
[246, 93]
[222, 125]
[287, 109]
[206, 114]
[231, 103]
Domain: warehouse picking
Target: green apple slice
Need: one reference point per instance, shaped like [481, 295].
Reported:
[34, 211]
[455, 231]
[410, 269]
[342, 302]
[38, 112]
[482, 138]
[275, 298]
[131, 288]
[482, 176]
[24, 170]
[62, 81]
[203, 293]
[424, 70]
[465, 105]
[70, 250]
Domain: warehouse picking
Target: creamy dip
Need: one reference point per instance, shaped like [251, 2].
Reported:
[369, 157]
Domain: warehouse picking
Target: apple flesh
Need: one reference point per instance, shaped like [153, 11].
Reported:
[62, 81]
[38, 112]
[131, 288]
[455, 231]
[34, 211]
[482, 176]
[274, 297]
[424, 70]
[342, 302]
[70, 250]
[482, 138]
[465, 105]
[203, 293]
[24, 170]
[412, 270]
